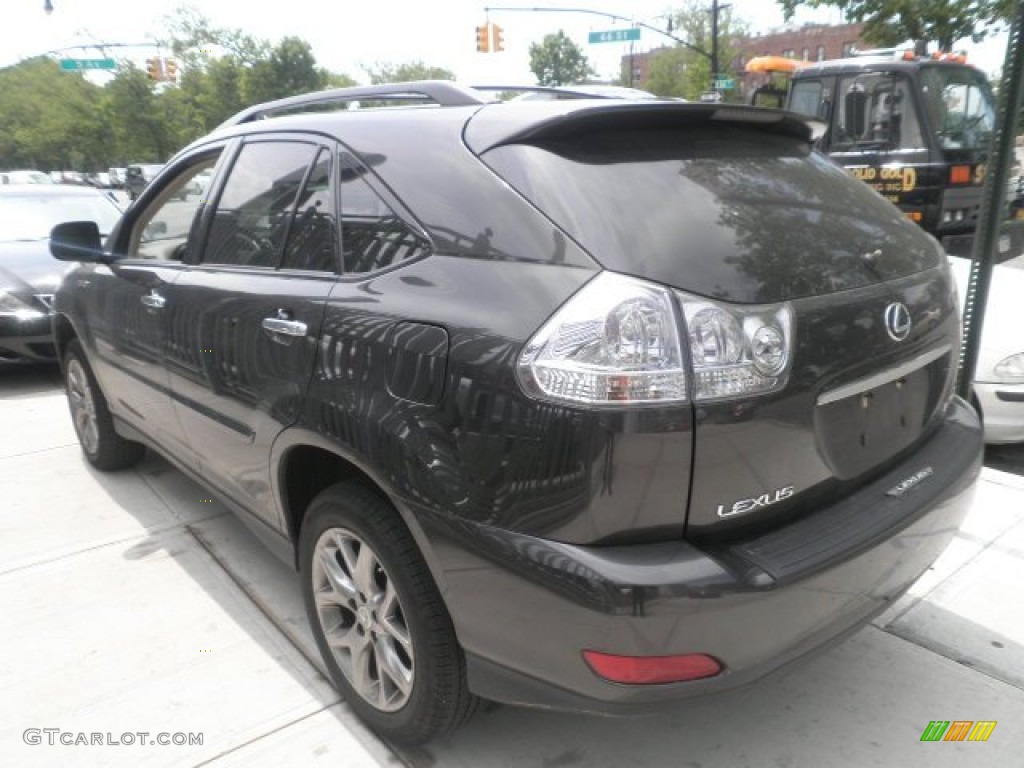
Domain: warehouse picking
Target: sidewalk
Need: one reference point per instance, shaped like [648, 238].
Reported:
[133, 603]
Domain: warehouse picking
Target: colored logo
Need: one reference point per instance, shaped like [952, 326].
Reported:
[958, 730]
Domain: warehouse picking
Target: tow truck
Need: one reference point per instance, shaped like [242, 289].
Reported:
[916, 129]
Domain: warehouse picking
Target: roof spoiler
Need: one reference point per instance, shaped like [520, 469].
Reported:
[488, 129]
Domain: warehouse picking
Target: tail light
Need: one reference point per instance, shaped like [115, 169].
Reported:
[737, 350]
[614, 343]
[618, 342]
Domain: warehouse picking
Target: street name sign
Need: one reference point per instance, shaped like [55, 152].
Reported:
[615, 35]
[69, 65]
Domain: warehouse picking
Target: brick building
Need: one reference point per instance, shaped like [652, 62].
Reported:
[810, 42]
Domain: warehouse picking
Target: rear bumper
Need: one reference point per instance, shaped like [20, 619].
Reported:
[525, 608]
[1002, 410]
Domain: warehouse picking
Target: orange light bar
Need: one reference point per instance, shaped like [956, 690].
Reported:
[960, 174]
[914, 216]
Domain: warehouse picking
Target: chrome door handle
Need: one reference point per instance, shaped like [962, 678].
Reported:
[153, 300]
[283, 326]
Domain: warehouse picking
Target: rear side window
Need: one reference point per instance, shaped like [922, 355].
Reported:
[373, 237]
[312, 238]
[251, 218]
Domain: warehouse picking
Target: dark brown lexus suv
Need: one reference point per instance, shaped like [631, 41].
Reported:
[575, 403]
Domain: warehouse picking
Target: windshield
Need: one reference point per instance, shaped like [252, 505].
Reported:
[28, 217]
[960, 105]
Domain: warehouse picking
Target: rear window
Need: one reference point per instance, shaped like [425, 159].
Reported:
[740, 214]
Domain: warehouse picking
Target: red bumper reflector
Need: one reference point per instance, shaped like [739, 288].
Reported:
[648, 670]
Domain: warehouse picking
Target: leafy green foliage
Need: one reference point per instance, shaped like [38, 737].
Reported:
[48, 118]
[684, 72]
[383, 72]
[942, 22]
[557, 60]
[55, 120]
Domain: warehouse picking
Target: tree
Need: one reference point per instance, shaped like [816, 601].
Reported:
[386, 72]
[138, 121]
[339, 80]
[49, 119]
[557, 60]
[685, 72]
[193, 37]
[671, 74]
[891, 22]
[289, 69]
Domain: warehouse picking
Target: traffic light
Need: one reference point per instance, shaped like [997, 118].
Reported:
[155, 69]
[171, 70]
[483, 38]
[499, 41]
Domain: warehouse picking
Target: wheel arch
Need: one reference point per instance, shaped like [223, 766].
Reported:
[307, 464]
[63, 333]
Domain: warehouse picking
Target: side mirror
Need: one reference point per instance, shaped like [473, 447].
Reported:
[77, 241]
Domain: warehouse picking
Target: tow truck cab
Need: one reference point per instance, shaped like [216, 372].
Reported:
[917, 130]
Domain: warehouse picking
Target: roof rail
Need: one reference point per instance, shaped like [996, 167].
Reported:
[444, 93]
[561, 90]
[879, 52]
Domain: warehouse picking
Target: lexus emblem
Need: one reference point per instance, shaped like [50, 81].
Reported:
[897, 321]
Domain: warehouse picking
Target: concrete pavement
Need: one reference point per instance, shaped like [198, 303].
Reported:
[133, 603]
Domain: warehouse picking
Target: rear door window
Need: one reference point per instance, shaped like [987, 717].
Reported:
[313, 236]
[251, 219]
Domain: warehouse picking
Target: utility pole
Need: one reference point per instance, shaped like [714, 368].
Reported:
[714, 45]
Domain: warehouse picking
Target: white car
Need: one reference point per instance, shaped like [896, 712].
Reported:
[999, 376]
[24, 177]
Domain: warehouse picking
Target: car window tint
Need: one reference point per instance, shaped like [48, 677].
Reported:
[312, 239]
[162, 231]
[251, 217]
[373, 237]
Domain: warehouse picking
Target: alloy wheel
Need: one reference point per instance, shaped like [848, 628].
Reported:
[83, 406]
[362, 619]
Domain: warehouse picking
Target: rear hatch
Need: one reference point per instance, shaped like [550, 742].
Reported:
[732, 204]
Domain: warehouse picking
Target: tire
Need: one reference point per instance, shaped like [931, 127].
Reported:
[378, 601]
[102, 446]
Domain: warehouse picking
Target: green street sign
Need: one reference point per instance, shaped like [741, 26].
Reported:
[615, 36]
[71, 65]
[725, 84]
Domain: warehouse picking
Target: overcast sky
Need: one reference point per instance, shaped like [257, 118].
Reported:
[346, 34]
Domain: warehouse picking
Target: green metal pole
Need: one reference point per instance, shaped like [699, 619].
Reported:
[986, 236]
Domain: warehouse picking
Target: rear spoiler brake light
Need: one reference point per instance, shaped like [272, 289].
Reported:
[765, 116]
